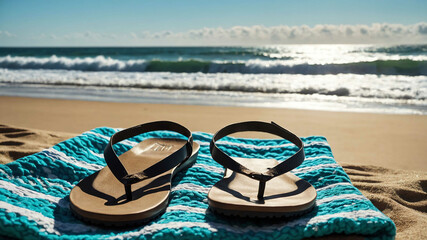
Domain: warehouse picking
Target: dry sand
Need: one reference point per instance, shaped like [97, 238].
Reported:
[363, 143]
[392, 141]
[18, 142]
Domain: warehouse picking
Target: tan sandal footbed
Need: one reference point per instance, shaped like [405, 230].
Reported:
[134, 187]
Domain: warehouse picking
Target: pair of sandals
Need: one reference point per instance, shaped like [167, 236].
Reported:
[135, 188]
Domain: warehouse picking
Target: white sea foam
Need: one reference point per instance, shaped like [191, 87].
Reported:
[342, 92]
[99, 63]
[352, 85]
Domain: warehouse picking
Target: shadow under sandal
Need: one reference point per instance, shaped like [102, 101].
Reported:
[135, 187]
[261, 188]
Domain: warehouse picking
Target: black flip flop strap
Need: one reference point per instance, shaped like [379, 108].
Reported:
[294, 161]
[167, 163]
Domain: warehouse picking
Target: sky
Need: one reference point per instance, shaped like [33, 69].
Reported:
[218, 22]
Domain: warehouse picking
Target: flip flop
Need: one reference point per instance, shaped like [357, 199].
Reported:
[261, 188]
[135, 187]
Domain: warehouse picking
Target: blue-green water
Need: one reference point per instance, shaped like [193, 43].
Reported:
[396, 60]
[343, 77]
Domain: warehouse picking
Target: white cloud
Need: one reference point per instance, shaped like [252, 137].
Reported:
[88, 35]
[375, 33]
[133, 35]
[6, 34]
[245, 35]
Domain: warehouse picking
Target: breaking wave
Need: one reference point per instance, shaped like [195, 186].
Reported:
[101, 63]
[342, 85]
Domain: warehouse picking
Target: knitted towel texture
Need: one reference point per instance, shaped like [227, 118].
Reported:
[34, 194]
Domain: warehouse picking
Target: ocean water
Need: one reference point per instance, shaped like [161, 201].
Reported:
[359, 78]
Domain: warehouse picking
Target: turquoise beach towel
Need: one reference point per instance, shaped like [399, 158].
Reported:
[34, 202]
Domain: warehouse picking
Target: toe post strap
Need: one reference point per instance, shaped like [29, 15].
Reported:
[229, 163]
[261, 190]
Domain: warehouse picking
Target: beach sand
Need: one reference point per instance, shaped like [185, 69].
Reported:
[384, 155]
[392, 141]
